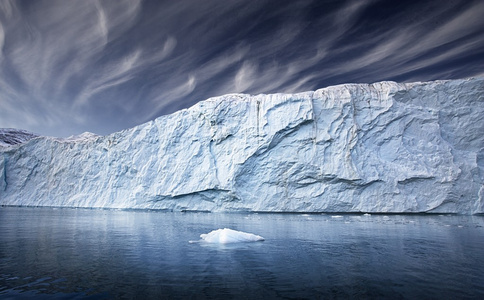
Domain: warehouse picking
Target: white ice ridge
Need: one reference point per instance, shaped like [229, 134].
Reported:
[382, 147]
[226, 236]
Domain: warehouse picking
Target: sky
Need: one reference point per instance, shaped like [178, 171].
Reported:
[71, 66]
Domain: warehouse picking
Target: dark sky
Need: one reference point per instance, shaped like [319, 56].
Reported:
[67, 67]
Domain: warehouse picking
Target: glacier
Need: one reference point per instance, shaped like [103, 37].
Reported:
[384, 147]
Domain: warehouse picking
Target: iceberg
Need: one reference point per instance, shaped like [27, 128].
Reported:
[228, 236]
[384, 147]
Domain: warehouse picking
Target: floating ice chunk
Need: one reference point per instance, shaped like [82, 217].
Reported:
[337, 216]
[226, 235]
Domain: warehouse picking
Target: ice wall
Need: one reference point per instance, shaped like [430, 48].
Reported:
[383, 147]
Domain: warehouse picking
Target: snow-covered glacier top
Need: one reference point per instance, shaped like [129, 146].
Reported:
[382, 147]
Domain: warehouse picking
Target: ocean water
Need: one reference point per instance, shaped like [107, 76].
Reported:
[48, 253]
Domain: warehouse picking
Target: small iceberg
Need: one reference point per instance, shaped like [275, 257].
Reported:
[226, 236]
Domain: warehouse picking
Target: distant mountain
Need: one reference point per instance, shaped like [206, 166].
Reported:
[384, 147]
[11, 136]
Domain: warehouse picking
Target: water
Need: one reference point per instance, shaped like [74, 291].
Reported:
[104, 254]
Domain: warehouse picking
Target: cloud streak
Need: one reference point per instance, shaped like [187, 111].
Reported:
[101, 66]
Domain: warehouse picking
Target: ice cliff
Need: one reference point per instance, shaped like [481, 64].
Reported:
[383, 147]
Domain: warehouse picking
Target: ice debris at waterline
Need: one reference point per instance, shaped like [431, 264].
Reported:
[228, 236]
[382, 147]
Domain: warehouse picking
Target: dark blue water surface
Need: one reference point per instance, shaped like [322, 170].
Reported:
[50, 253]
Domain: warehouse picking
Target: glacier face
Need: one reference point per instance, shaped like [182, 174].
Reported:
[383, 147]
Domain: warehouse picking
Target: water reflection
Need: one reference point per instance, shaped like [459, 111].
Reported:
[68, 253]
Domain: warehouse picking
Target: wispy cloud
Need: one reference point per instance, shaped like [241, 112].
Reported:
[71, 66]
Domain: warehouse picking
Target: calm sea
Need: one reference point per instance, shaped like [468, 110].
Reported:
[50, 253]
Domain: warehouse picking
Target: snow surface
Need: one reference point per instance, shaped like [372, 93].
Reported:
[382, 147]
[227, 236]
[86, 136]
